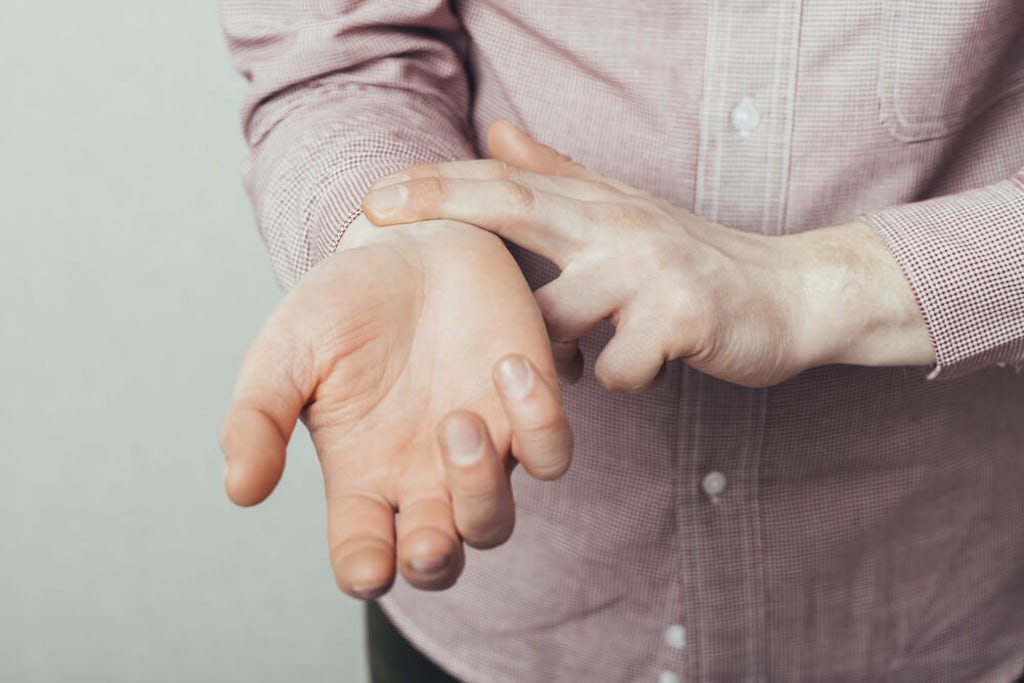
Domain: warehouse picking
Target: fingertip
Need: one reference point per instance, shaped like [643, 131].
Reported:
[366, 574]
[543, 440]
[510, 143]
[255, 451]
[498, 132]
[614, 381]
[494, 536]
[431, 559]
[246, 486]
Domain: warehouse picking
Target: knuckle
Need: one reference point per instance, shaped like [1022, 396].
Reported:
[549, 304]
[506, 171]
[433, 189]
[617, 213]
[687, 312]
[551, 467]
[548, 425]
[520, 196]
[612, 381]
[613, 377]
[652, 257]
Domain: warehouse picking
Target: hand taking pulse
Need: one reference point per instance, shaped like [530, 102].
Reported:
[418, 360]
[747, 308]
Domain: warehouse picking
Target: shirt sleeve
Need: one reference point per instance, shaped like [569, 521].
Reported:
[963, 255]
[341, 93]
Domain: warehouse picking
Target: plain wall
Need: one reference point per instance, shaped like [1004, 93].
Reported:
[132, 281]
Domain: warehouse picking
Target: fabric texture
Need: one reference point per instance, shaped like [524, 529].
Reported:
[871, 524]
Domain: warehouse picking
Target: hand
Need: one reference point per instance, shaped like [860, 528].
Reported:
[419, 362]
[747, 308]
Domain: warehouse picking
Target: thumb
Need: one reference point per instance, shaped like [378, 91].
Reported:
[510, 144]
[514, 146]
[269, 396]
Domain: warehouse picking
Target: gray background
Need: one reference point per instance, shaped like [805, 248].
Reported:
[132, 281]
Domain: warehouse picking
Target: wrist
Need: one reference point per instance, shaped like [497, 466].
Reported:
[860, 307]
[358, 232]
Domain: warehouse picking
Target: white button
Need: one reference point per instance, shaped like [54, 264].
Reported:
[667, 677]
[675, 636]
[713, 484]
[745, 116]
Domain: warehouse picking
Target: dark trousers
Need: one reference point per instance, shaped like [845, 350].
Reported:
[393, 659]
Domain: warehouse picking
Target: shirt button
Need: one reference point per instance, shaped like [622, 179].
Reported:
[667, 677]
[745, 116]
[713, 484]
[675, 636]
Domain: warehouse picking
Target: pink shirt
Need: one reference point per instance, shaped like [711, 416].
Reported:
[851, 524]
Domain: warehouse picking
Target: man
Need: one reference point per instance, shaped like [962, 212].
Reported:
[825, 483]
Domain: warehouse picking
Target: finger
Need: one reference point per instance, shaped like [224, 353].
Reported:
[430, 554]
[479, 485]
[271, 390]
[633, 358]
[509, 143]
[577, 300]
[361, 538]
[572, 304]
[548, 224]
[568, 360]
[494, 169]
[541, 437]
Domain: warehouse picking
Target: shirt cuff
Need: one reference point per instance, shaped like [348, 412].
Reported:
[963, 256]
[309, 175]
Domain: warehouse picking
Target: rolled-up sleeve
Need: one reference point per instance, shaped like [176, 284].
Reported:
[341, 93]
[963, 255]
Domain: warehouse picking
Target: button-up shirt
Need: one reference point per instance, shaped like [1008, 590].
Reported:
[850, 524]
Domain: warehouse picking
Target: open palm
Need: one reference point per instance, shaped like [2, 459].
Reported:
[425, 331]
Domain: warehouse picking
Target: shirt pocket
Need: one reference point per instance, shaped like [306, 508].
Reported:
[943, 62]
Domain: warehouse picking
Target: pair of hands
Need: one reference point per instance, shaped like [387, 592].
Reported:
[420, 361]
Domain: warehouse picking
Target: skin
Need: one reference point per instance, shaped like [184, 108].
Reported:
[747, 308]
[419, 362]
[394, 351]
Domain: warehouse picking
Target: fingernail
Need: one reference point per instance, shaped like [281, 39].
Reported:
[515, 377]
[425, 566]
[464, 441]
[388, 198]
[365, 592]
[389, 180]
